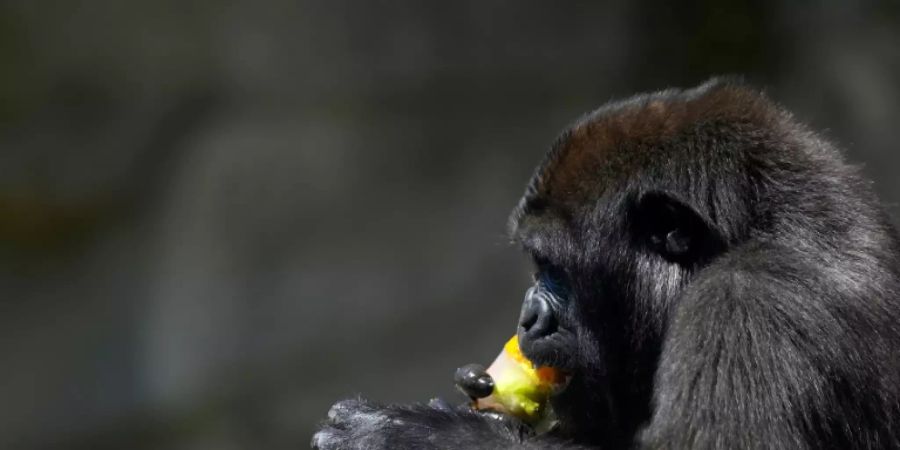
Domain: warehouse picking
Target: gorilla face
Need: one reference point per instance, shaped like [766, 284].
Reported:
[671, 239]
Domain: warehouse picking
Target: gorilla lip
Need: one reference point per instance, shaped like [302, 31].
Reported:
[546, 351]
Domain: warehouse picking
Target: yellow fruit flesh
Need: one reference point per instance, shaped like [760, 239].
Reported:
[545, 375]
[520, 389]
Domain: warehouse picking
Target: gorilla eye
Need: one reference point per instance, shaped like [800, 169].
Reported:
[552, 277]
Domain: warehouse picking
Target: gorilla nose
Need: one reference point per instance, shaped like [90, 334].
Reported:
[537, 319]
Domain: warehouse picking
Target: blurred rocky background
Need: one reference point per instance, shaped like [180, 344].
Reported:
[217, 218]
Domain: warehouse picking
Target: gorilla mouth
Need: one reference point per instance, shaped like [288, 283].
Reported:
[514, 385]
[550, 351]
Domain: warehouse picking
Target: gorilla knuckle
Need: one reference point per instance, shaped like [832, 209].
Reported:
[326, 440]
[344, 408]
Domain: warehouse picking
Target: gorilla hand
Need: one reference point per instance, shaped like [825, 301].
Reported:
[359, 424]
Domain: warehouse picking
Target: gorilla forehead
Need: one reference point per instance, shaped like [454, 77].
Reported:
[675, 134]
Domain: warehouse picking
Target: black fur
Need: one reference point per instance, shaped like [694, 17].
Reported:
[769, 319]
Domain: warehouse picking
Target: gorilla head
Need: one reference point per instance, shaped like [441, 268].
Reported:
[630, 203]
[710, 272]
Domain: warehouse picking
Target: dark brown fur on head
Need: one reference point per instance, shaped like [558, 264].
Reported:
[662, 132]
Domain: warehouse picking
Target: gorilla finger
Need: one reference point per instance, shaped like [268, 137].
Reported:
[509, 422]
[494, 415]
[345, 409]
[440, 404]
[325, 439]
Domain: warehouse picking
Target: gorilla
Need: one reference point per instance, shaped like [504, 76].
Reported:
[711, 273]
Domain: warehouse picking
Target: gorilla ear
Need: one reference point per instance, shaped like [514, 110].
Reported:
[675, 229]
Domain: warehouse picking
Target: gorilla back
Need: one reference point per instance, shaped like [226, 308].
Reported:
[711, 273]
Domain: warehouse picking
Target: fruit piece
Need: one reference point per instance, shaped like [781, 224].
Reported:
[520, 389]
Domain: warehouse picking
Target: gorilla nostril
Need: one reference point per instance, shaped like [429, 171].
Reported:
[529, 318]
[545, 325]
[537, 319]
